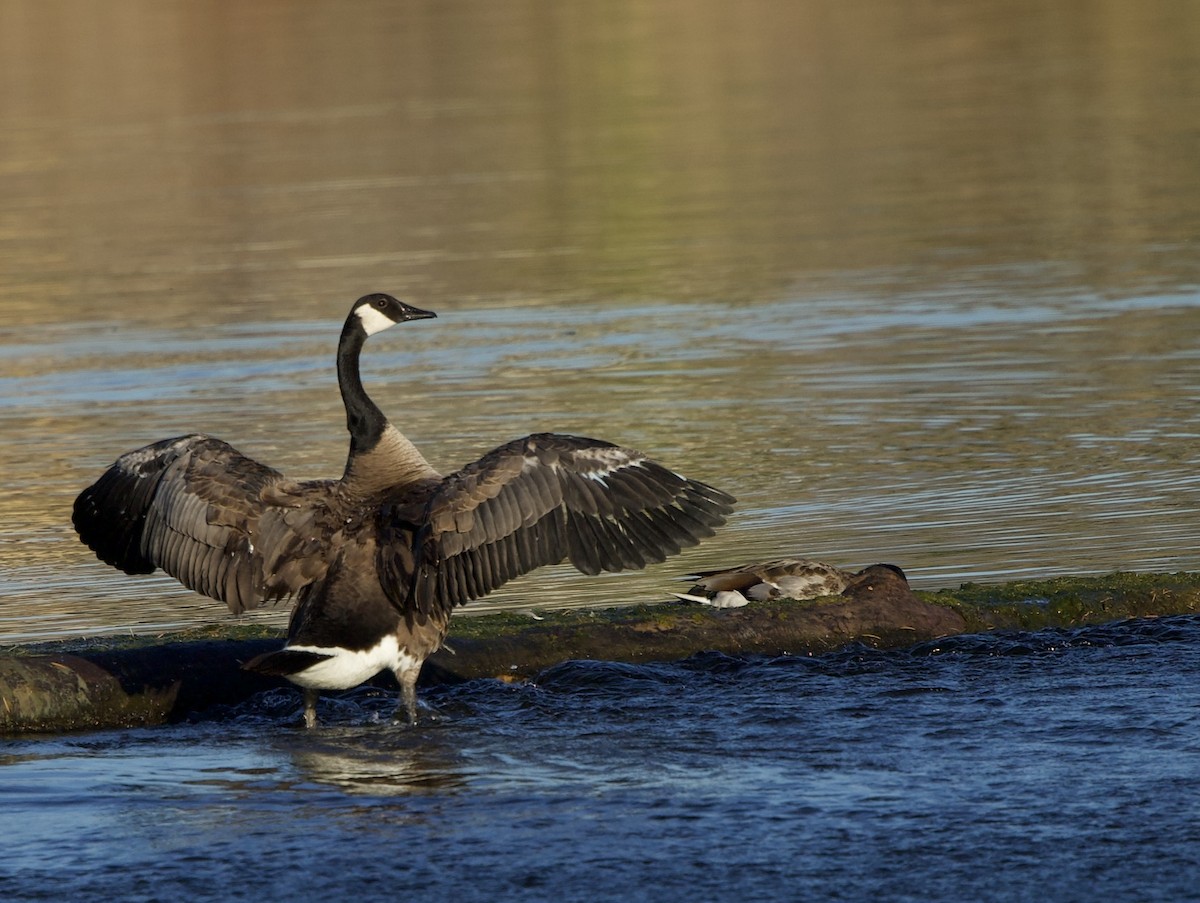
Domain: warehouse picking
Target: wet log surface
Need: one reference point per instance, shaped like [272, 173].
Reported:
[144, 681]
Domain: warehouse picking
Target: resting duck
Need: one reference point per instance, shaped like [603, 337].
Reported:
[785, 578]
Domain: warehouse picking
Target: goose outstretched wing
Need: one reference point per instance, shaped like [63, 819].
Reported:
[537, 501]
[192, 506]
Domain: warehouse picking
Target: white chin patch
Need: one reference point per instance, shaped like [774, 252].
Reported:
[373, 321]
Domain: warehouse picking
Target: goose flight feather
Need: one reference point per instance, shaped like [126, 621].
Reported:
[542, 499]
[195, 507]
[379, 558]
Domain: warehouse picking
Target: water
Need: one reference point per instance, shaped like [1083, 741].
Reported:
[918, 283]
[1046, 443]
[1061, 765]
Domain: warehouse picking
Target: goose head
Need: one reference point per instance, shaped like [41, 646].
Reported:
[377, 312]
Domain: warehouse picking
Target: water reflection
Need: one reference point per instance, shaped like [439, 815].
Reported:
[416, 767]
[508, 151]
[915, 284]
[358, 749]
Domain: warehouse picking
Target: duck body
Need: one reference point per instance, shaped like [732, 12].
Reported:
[780, 578]
[378, 559]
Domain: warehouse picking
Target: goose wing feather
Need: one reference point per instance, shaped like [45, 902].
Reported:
[194, 507]
[537, 501]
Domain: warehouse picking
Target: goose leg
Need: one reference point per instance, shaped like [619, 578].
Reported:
[407, 710]
[310, 707]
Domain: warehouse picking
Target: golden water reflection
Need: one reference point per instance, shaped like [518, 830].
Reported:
[915, 282]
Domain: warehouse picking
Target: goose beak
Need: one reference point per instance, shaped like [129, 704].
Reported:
[408, 312]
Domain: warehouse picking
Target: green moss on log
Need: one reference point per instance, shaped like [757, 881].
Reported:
[1071, 601]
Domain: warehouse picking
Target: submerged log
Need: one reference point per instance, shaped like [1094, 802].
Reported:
[140, 685]
[144, 682]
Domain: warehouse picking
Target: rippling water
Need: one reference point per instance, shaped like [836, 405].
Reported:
[917, 285]
[1057, 765]
[926, 431]
[917, 282]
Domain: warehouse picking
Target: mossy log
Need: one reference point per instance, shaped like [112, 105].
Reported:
[145, 681]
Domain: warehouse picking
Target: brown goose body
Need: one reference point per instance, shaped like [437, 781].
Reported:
[378, 559]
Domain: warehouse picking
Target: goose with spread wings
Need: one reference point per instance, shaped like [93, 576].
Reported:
[378, 559]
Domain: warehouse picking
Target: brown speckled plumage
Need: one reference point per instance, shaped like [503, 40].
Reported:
[784, 578]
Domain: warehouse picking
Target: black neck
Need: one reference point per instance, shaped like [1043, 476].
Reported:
[364, 420]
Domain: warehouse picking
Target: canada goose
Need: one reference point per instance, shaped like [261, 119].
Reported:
[782, 578]
[379, 558]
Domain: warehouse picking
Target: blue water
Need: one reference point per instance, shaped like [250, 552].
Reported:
[1056, 765]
